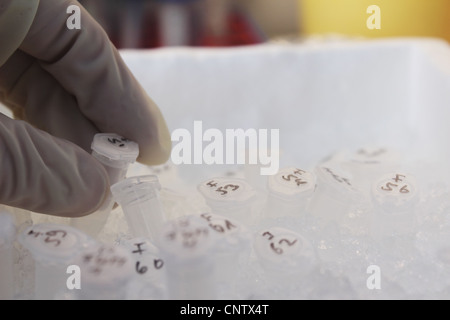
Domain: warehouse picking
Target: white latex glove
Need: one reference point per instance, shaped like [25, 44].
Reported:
[67, 85]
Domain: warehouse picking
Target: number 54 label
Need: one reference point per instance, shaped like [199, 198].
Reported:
[395, 189]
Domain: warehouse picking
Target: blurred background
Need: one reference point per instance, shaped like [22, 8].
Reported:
[158, 23]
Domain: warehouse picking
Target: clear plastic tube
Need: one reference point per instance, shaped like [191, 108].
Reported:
[232, 252]
[116, 154]
[283, 252]
[395, 197]
[7, 238]
[53, 247]
[229, 197]
[335, 196]
[290, 191]
[106, 271]
[287, 259]
[139, 199]
[146, 258]
[187, 247]
[367, 164]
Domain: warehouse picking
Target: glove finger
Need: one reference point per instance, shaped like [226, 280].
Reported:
[48, 175]
[35, 96]
[88, 66]
[16, 17]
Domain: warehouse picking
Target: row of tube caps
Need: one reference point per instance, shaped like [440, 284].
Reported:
[200, 255]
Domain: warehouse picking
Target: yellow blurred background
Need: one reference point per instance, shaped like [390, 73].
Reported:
[421, 18]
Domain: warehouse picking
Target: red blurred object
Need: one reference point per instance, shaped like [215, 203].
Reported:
[240, 30]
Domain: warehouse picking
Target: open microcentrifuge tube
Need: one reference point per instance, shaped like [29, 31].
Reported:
[105, 272]
[283, 253]
[334, 196]
[167, 173]
[116, 154]
[187, 247]
[53, 247]
[139, 199]
[395, 197]
[290, 190]
[7, 238]
[229, 197]
[232, 251]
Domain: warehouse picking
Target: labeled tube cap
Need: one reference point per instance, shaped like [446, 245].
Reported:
[225, 191]
[105, 266]
[291, 184]
[187, 238]
[284, 249]
[336, 181]
[396, 192]
[114, 147]
[53, 243]
[230, 233]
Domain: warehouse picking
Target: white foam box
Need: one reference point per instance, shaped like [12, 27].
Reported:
[324, 96]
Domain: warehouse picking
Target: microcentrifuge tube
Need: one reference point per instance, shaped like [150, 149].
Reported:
[290, 190]
[105, 272]
[115, 153]
[53, 247]
[232, 252]
[229, 197]
[283, 252]
[187, 247]
[334, 197]
[146, 258]
[286, 257]
[367, 164]
[395, 197]
[139, 199]
[7, 238]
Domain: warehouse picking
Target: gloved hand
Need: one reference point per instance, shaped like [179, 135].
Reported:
[67, 85]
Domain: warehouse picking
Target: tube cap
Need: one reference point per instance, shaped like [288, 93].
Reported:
[225, 191]
[115, 147]
[292, 183]
[53, 243]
